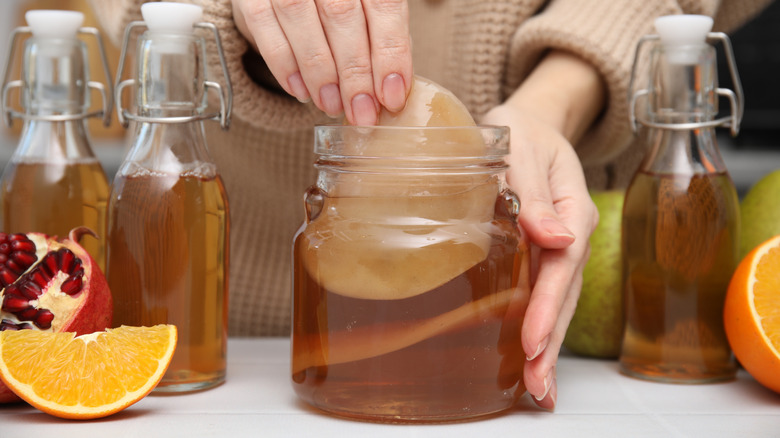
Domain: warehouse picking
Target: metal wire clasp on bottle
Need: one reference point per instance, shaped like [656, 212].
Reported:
[735, 97]
[106, 91]
[225, 95]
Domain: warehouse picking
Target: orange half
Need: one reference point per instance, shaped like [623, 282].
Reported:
[88, 376]
[752, 313]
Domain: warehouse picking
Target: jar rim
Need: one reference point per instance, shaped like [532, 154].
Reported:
[349, 141]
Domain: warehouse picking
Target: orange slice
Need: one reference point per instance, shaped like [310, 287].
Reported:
[88, 376]
[752, 313]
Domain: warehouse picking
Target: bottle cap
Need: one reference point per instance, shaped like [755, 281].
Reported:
[54, 24]
[679, 32]
[171, 17]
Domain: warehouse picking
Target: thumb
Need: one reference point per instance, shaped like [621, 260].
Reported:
[539, 219]
[538, 215]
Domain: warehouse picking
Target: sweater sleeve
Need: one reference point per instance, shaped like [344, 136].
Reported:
[605, 33]
[261, 106]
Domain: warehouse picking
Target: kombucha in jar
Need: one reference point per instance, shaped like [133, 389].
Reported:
[411, 280]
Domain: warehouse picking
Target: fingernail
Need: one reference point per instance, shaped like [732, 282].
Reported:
[554, 393]
[394, 92]
[363, 110]
[555, 228]
[298, 88]
[540, 348]
[548, 381]
[331, 99]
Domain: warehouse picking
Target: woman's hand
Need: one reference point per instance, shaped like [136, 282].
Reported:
[347, 56]
[548, 113]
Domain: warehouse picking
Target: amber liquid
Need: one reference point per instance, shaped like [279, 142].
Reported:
[168, 263]
[450, 353]
[680, 249]
[54, 198]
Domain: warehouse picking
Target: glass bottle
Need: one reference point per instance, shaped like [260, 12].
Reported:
[168, 222]
[681, 214]
[410, 276]
[53, 182]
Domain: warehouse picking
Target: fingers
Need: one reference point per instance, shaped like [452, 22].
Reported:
[347, 56]
[346, 30]
[549, 312]
[391, 51]
[538, 216]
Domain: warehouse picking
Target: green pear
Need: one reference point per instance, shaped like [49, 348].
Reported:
[760, 213]
[597, 326]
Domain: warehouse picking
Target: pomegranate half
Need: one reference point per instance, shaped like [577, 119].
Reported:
[50, 284]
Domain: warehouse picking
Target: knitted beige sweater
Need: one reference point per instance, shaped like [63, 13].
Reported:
[479, 49]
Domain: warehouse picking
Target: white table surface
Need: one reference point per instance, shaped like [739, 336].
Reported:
[258, 401]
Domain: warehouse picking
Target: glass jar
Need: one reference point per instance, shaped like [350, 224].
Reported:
[411, 276]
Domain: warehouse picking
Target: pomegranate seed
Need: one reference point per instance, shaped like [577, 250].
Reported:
[5, 248]
[3, 258]
[24, 258]
[30, 290]
[15, 304]
[39, 277]
[51, 264]
[27, 314]
[67, 260]
[72, 285]
[7, 324]
[44, 318]
[7, 277]
[14, 267]
[3, 237]
[18, 236]
[23, 245]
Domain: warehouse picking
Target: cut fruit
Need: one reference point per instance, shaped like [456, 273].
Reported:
[752, 313]
[88, 376]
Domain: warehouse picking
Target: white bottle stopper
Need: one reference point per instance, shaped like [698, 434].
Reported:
[53, 23]
[171, 17]
[680, 33]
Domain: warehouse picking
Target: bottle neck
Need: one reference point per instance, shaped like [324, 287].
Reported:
[55, 76]
[683, 90]
[170, 74]
[683, 84]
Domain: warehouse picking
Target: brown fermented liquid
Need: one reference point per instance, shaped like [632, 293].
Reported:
[680, 250]
[451, 352]
[54, 198]
[167, 263]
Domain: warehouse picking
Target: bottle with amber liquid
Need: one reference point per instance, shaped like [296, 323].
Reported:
[681, 213]
[53, 182]
[168, 224]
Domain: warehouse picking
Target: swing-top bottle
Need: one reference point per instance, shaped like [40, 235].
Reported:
[54, 182]
[168, 226]
[681, 212]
